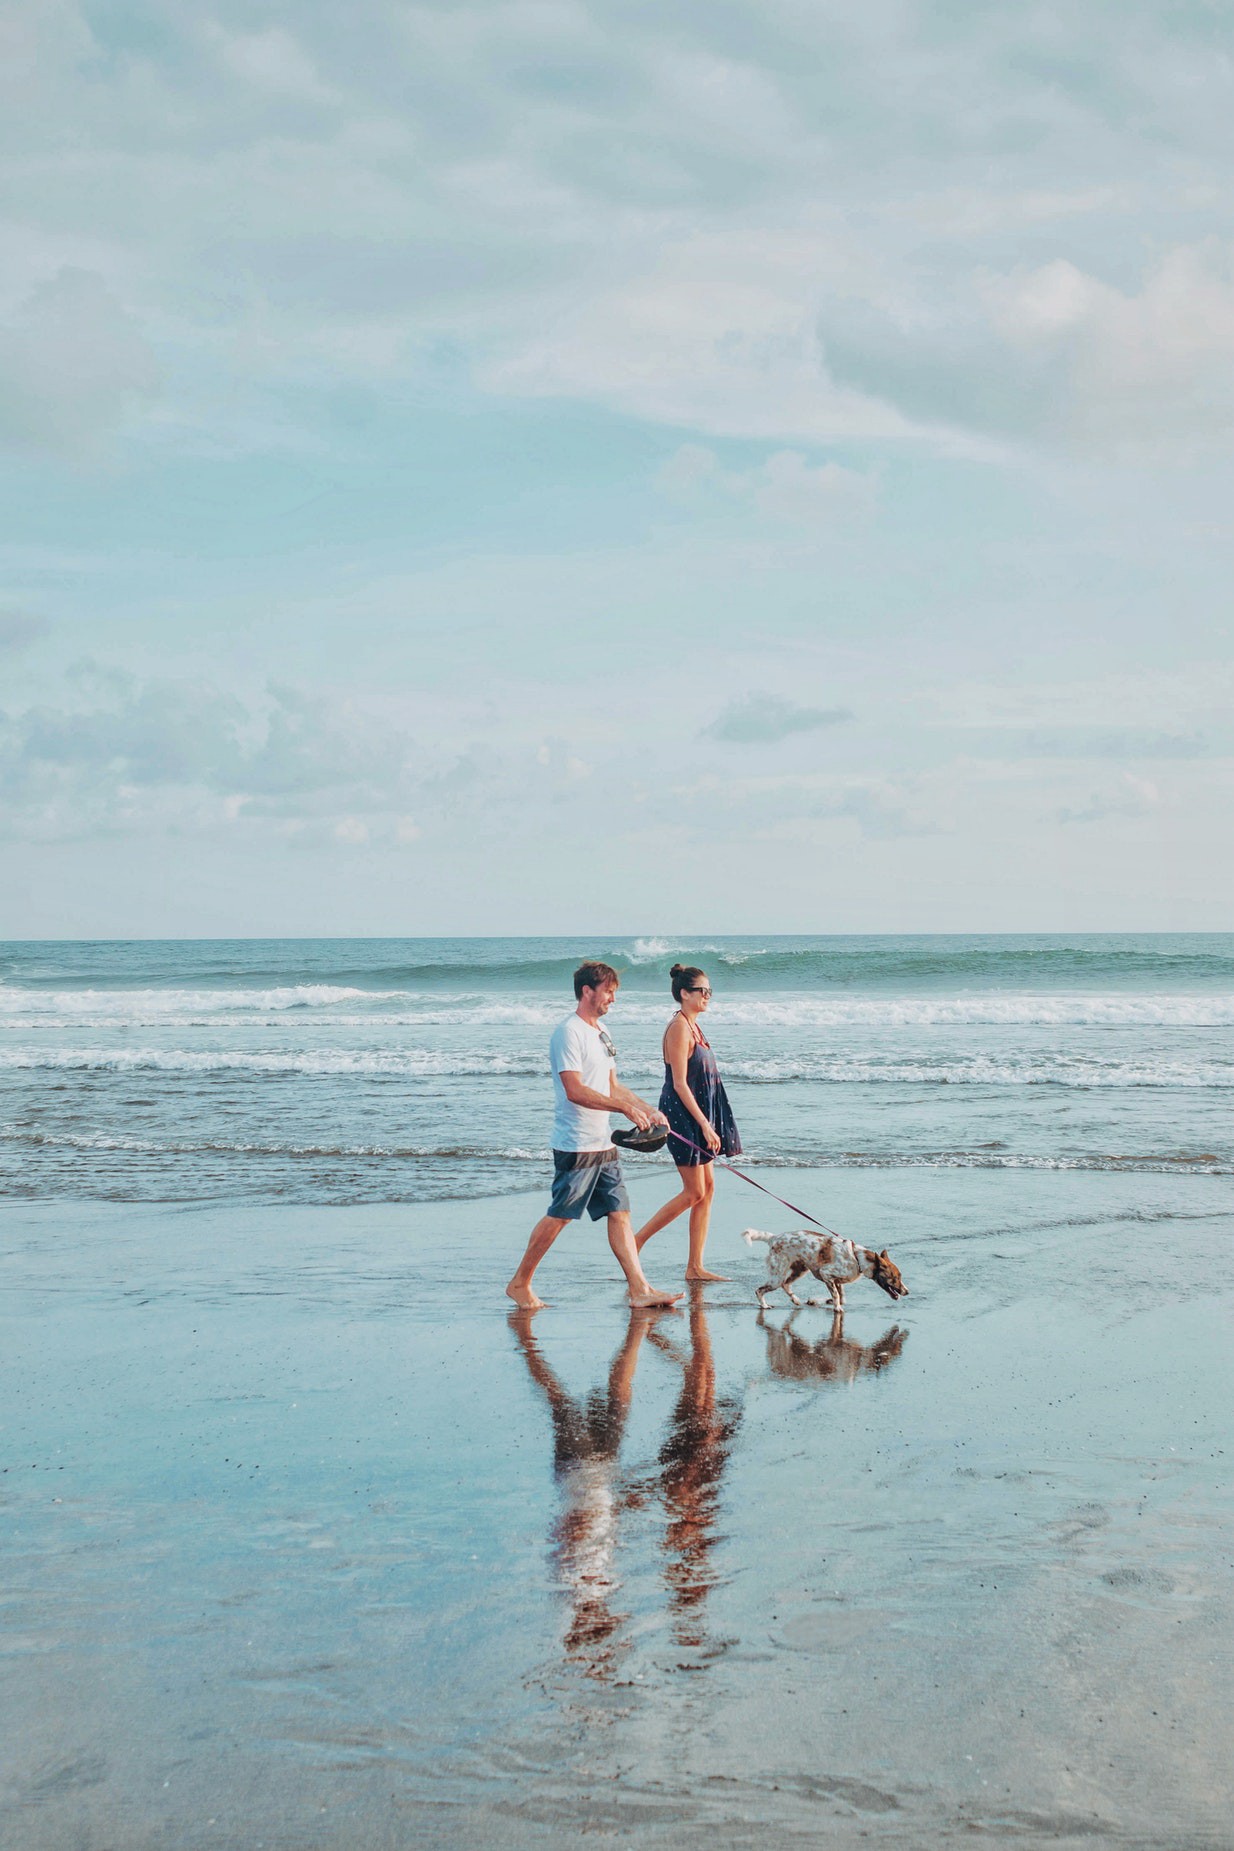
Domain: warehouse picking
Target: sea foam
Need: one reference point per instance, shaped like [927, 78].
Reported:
[348, 1007]
[1023, 1068]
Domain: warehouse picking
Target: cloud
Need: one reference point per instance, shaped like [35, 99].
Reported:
[780, 223]
[1144, 703]
[125, 753]
[119, 754]
[1054, 354]
[716, 333]
[18, 630]
[796, 804]
[1130, 797]
[878, 809]
[352, 830]
[272, 60]
[73, 365]
[785, 486]
[169, 734]
[1147, 364]
[764, 719]
[1093, 742]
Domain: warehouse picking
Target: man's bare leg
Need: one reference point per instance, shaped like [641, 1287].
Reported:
[621, 1372]
[621, 1240]
[543, 1235]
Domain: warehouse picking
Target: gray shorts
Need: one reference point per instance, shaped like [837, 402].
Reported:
[587, 1180]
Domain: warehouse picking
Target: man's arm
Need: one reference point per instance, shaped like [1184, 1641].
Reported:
[618, 1099]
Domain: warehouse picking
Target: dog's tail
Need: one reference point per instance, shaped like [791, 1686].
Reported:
[750, 1235]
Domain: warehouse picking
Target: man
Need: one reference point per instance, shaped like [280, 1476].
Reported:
[587, 1175]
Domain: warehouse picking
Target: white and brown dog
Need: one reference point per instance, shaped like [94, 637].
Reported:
[830, 1258]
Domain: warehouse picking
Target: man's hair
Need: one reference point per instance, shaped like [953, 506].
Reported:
[591, 975]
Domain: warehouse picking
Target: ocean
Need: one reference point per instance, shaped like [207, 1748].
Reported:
[404, 1070]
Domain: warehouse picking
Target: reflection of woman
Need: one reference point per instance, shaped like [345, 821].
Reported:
[700, 1119]
[693, 1459]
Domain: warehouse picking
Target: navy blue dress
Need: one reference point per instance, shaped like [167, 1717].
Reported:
[703, 1079]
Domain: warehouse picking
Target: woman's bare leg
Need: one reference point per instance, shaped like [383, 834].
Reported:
[691, 1193]
[700, 1222]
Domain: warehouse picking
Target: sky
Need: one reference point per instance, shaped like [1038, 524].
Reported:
[582, 466]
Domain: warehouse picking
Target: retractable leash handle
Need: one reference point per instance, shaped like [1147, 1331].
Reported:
[734, 1171]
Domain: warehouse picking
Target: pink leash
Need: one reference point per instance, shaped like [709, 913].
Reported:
[733, 1170]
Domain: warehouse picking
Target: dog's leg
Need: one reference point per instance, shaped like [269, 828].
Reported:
[794, 1272]
[777, 1267]
[775, 1277]
[823, 1280]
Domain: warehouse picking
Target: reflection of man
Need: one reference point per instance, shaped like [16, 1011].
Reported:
[587, 1436]
[586, 1442]
[587, 1175]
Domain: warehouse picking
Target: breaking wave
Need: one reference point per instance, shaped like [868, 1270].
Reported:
[1015, 1069]
[346, 1007]
[461, 1156]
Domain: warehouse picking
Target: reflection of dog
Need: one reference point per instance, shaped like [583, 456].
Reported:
[834, 1358]
[837, 1262]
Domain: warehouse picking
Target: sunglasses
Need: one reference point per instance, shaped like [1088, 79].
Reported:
[700, 989]
[606, 1042]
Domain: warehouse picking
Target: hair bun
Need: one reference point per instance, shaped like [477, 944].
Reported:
[676, 970]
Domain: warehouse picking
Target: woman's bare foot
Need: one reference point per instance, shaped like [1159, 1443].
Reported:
[523, 1296]
[701, 1272]
[645, 1301]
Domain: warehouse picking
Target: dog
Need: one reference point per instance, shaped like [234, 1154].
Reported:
[830, 1258]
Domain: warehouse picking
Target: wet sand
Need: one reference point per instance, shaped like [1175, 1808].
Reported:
[308, 1542]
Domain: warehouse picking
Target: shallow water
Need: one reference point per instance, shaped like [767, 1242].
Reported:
[308, 1543]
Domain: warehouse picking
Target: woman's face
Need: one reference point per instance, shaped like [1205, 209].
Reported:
[699, 993]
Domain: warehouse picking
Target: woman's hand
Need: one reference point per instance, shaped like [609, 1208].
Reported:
[711, 1138]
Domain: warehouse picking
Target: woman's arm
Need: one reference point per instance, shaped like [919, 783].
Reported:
[678, 1043]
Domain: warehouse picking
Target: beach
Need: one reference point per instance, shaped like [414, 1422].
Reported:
[308, 1542]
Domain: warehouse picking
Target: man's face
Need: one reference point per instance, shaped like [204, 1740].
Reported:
[601, 998]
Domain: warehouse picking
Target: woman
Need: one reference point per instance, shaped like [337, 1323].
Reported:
[700, 1122]
[693, 1461]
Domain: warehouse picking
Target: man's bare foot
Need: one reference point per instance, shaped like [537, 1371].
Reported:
[645, 1301]
[524, 1297]
[702, 1273]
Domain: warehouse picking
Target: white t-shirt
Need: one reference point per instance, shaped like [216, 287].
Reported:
[576, 1048]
